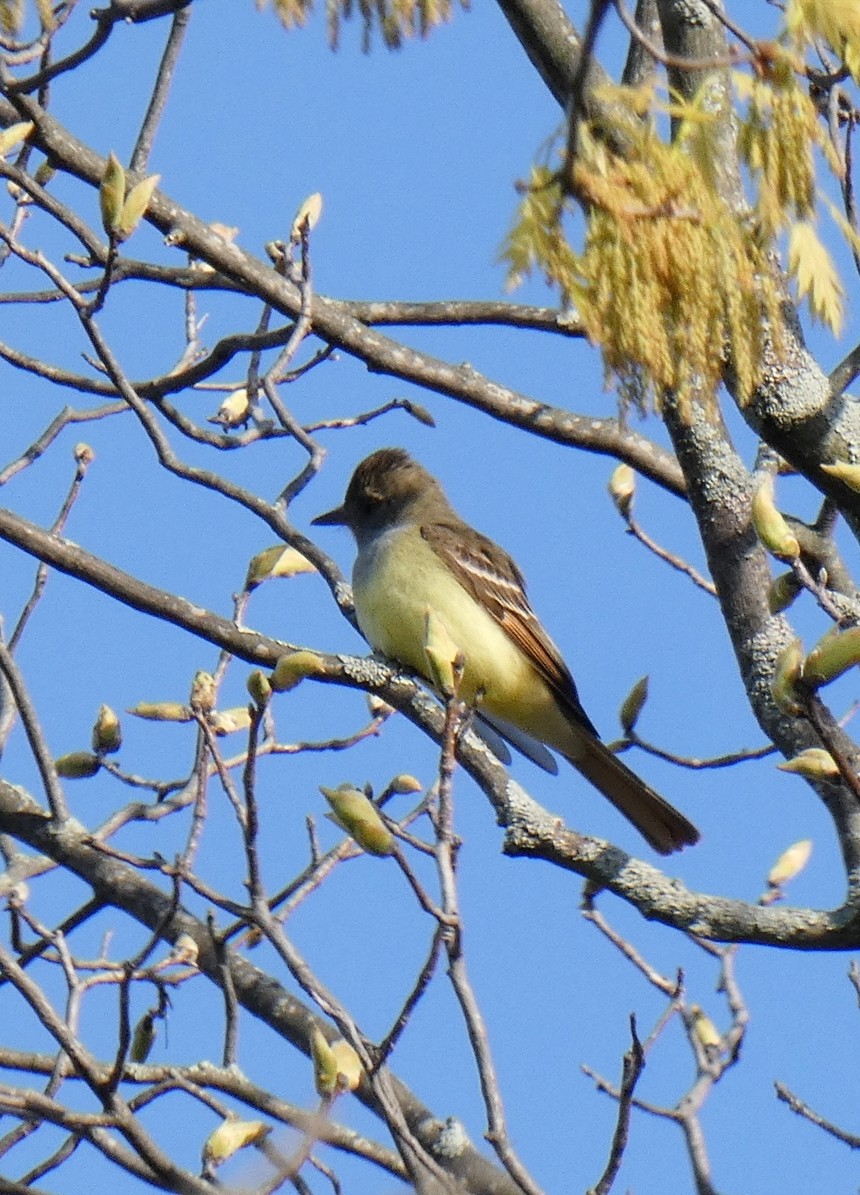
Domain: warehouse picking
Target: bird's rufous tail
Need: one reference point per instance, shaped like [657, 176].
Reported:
[663, 827]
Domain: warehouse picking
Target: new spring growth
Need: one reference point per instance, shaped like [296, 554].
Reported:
[235, 411]
[790, 863]
[443, 655]
[143, 1038]
[833, 655]
[229, 721]
[259, 687]
[122, 211]
[705, 1030]
[337, 1067]
[14, 135]
[107, 732]
[279, 561]
[77, 765]
[632, 705]
[230, 1136]
[355, 813]
[308, 215]
[161, 711]
[782, 592]
[771, 528]
[403, 782]
[622, 489]
[842, 471]
[203, 692]
[295, 667]
[815, 763]
[786, 675]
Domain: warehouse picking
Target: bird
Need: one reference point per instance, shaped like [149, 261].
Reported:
[417, 557]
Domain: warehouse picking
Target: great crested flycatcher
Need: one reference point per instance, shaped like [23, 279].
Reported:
[416, 555]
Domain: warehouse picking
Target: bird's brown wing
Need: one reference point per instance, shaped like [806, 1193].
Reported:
[492, 578]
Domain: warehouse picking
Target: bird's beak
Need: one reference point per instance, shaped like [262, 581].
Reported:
[332, 518]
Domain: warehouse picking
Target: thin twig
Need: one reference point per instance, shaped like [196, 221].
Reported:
[158, 99]
[632, 1067]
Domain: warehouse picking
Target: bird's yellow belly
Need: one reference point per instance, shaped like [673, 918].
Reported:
[392, 614]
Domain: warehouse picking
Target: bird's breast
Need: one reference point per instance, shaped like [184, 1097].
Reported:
[396, 581]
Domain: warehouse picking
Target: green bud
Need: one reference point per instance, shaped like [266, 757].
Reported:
[112, 194]
[404, 783]
[814, 763]
[842, 471]
[203, 692]
[633, 704]
[790, 863]
[143, 1038]
[705, 1030]
[279, 561]
[444, 657]
[325, 1063]
[622, 489]
[232, 1135]
[107, 732]
[771, 528]
[295, 667]
[162, 711]
[356, 813]
[134, 208]
[229, 721]
[44, 173]
[309, 214]
[14, 135]
[782, 592]
[235, 410]
[259, 688]
[785, 678]
[833, 655]
[77, 765]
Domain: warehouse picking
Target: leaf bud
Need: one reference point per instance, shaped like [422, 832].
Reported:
[842, 471]
[107, 732]
[308, 214]
[790, 863]
[112, 194]
[230, 1136]
[279, 561]
[770, 526]
[444, 657]
[203, 692]
[77, 765]
[815, 763]
[143, 1038]
[162, 711]
[405, 783]
[622, 489]
[355, 813]
[295, 667]
[786, 675]
[705, 1030]
[833, 655]
[134, 208]
[633, 704]
[782, 592]
[325, 1063]
[259, 688]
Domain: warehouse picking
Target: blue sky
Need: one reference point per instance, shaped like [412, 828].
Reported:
[416, 154]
